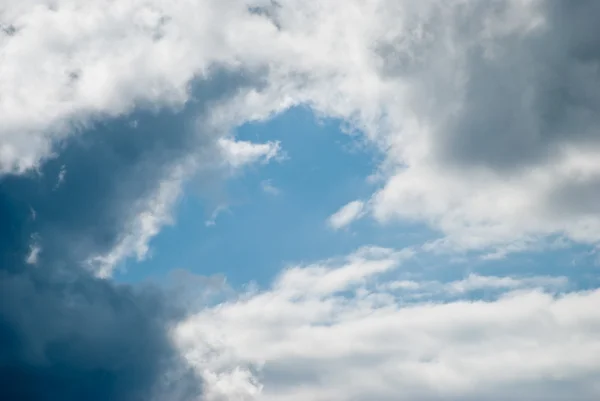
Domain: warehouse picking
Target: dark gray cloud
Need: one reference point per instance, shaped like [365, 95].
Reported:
[69, 336]
[507, 97]
[64, 334]
[527, 95]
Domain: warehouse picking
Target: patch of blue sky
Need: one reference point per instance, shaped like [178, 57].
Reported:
[276, 213]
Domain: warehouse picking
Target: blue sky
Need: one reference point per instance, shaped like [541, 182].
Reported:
[260, 232]
[257, 232]
[299, 200]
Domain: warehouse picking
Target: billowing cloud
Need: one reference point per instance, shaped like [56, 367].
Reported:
[486, 110]
[67, 64]
[330, 331]
[511, 156]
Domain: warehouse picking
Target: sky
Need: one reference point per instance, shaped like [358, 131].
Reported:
[299, 200]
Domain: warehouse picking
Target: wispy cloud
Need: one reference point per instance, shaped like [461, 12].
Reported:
[241, 153]
[346, 215]
[269, 188]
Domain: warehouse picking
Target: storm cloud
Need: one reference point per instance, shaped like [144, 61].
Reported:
[64, 333]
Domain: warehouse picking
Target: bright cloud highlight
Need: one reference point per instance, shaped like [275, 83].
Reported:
[332, 331]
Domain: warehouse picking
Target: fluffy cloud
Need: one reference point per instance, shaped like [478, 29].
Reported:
[330, 331]
[486, 110]
[240, 153]
[66, 64]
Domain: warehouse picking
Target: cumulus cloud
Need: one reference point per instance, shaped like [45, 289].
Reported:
[329, 331]
[486, 110]
[346, 215]
[66, 64]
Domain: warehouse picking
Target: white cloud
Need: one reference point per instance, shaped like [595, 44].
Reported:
[346, 214]
[241, 153]
[68, 63]
[329, 331]
[487, 112]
